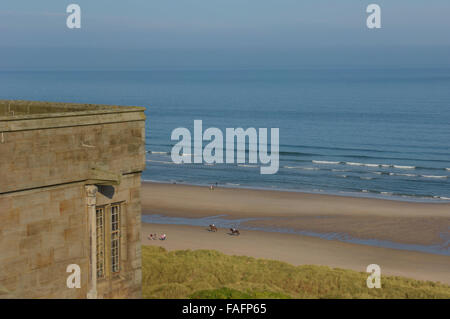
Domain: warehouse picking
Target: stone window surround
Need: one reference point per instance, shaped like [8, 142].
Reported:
[91, 197]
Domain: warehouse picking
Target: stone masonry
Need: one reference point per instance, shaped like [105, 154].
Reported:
[51, 156]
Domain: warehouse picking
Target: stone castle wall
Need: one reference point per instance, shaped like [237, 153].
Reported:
[53, 156]
[42, 231]
[45, 164]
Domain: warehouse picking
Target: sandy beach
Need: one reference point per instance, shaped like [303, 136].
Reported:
[396, 221]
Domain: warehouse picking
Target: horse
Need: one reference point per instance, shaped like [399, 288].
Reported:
[235, 231]
[212, 228]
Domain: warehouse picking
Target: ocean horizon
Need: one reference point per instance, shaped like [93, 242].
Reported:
[354, 132]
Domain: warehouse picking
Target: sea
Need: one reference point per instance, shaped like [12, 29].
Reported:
[352, 132]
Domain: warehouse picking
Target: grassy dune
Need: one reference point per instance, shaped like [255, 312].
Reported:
[211, 274]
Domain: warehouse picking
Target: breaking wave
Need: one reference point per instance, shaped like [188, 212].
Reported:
[156, 152]
[434, 176]
[410, 167]
[302, 168]
[326, 162]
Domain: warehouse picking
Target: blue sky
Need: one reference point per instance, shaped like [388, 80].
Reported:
[222, 33]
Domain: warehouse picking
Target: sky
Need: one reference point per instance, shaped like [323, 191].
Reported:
[223, 34]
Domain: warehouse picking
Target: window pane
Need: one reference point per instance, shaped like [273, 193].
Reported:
[100, 221]
[115, 238]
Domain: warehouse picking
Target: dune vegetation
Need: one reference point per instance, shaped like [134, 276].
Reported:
[211, 274]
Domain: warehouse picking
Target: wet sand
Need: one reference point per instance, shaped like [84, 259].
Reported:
[365, 218]
[303, 250]
[401, 222]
